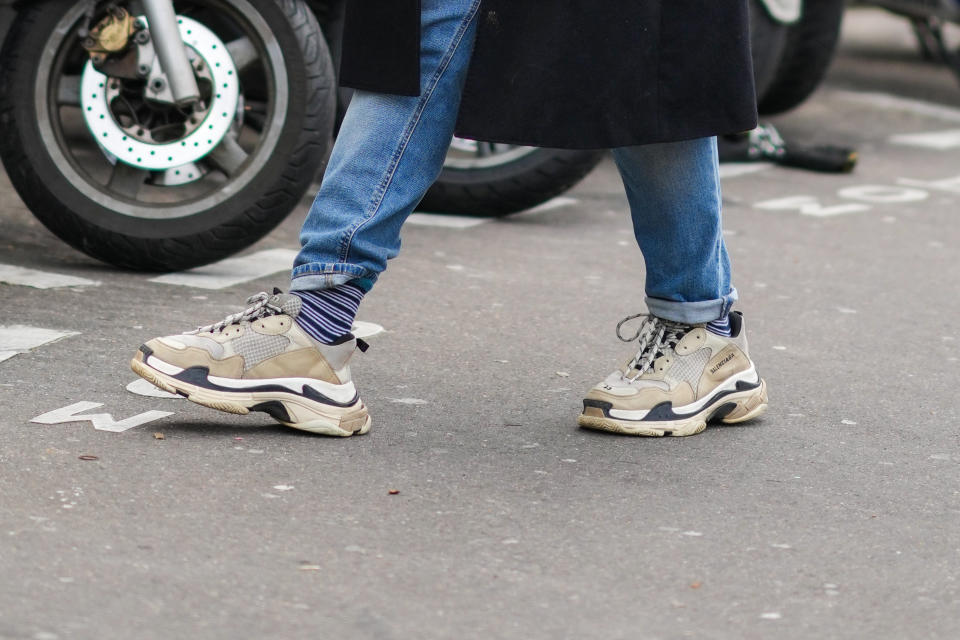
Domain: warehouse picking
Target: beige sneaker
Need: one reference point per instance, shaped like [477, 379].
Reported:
[682, 377]
[260, 360]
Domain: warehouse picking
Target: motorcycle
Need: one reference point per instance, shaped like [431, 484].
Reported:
[161, 135]
[929, 19]
[165, 134]
[157, 140]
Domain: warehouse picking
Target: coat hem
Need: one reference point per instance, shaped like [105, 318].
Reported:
[613, 143]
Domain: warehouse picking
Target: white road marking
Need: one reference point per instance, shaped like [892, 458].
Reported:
[938, 140]
[232, 271]
[735, 169]
[882, 194]
[948, 185]
[101, 421]
[445, 221]
[17, 338]
[809, 206]
[556, 203]
[410, 401]
[366, 329]
[141, 387]
[11, 274]
[887, 102]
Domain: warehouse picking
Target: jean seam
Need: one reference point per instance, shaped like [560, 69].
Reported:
[718, 194]
[377, 200]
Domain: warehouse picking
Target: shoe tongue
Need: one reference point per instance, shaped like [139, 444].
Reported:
[289, 303]
[630, 366]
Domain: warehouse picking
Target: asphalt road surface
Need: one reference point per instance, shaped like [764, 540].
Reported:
[834, 516]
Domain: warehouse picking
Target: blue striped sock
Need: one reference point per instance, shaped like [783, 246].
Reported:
[327, 314]
[720, 327]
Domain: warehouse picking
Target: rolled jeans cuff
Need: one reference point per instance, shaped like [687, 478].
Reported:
[692, 312]
[311, 277]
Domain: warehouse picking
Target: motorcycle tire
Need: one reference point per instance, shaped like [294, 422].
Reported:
[768, 38]
[249, 181]
[811, 43]
[492, 180]
[497, 180]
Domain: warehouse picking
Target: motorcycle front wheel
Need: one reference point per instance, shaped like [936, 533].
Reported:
[141, 183]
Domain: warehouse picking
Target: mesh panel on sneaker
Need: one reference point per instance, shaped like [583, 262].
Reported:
[690, 368]
[291, 305]
[256, 347]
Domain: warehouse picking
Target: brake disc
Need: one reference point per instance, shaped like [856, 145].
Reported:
[203, 130]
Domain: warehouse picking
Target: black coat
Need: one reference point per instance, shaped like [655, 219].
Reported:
[575, 73]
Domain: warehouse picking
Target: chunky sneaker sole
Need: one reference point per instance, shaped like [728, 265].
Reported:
[745, 402]
[301, 403]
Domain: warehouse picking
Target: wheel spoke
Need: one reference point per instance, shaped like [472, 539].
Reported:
[228, 156]
[485, 149]
[127, 180]
[68, 92]
[243, 53]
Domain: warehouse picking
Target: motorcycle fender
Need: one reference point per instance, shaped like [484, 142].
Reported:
[784, 11]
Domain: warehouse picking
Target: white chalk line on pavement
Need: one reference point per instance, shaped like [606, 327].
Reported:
[423, 219]
[231, 271]
[141, 387]
[556, 203]
[887, 102]
[18, 338]
[935, 140]
[943, 140]
[736, 169]
[449, 221]
[100, 421]
[22, 276]
[366, 329]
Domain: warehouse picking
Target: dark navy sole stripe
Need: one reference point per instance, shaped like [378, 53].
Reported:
[664, 412]
[199, 376]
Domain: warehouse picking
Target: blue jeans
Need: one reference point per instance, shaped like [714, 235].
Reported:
[391, 149]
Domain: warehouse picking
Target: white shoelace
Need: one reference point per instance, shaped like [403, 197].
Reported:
[655, 336]
[260, 307]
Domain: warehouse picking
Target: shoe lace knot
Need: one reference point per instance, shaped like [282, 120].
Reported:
[655, 336]
[262, 305]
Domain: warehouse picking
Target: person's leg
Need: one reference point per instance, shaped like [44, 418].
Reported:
[692, 363]
[674, 195]
[389, 151]
[288, 354]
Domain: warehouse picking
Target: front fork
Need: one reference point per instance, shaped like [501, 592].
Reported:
[165, 33]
